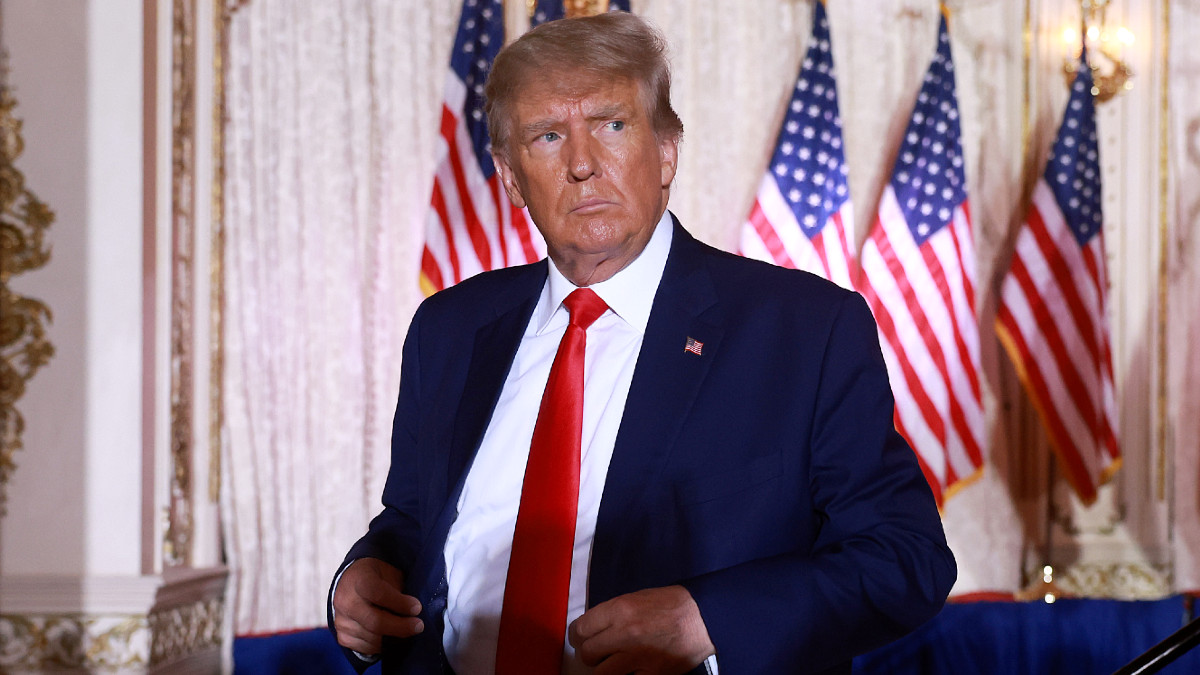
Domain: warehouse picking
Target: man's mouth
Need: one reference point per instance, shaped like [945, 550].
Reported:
[590, 205]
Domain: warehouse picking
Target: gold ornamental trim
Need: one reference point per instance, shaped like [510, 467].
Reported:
[1116, 580]
[177, 537]
[24, 347]
[179, 632]
[574, 8]
[222, 17]
[1164, 232]
[55, 642]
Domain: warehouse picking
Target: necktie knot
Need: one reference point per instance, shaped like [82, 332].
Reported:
[585, 307]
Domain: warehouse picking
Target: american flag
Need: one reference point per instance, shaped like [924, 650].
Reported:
[918, 275]
[549, 10]
[1053, 314]
[802, 214]
[471, 226]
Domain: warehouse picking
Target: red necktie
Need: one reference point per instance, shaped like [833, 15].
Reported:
[533, 620]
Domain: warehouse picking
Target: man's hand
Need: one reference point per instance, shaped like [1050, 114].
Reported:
[368, 604]
[658, 631]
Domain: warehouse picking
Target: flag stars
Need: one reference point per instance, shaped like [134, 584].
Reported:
[808, 164]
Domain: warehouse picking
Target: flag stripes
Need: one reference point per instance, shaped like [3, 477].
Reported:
[918, 276]
[471, 226]
[1052, 322]
[802, 215]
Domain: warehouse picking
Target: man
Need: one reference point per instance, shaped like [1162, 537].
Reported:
[737, 498]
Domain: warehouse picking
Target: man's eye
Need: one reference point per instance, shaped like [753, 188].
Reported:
[549, 136]
[616, 125]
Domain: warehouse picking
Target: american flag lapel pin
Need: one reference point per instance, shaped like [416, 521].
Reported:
[693, 345]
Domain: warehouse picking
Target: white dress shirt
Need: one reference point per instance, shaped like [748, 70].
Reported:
[479, 544]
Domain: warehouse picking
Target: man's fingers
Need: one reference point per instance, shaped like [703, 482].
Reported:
[595, 648]
[364, 633]
[656, 631]
[387, 597]
[369, 603]
[367, 646]
[593, 622]
[380, 622]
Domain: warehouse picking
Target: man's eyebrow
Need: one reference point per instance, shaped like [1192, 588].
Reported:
[608, 111]
[537, 128]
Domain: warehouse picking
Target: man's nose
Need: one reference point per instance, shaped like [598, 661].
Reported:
[581, 157]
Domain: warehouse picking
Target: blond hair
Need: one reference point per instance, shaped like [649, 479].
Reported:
[610, 45]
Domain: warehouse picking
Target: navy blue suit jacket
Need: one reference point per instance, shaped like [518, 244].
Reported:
[764, 475]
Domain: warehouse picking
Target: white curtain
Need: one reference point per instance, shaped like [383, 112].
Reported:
[333, 109]
[333, 117]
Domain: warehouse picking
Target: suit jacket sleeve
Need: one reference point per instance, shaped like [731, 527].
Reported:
[879, 565]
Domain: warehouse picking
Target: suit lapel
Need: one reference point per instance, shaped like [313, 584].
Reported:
[665, 384]
[496, 344]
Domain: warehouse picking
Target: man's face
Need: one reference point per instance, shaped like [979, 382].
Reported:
[583, 156]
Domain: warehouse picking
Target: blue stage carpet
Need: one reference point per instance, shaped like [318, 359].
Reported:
[1069, 637]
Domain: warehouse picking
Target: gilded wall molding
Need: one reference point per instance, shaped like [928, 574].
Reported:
[179, 632]
[223, 15]
[24, 347]
[52, 642]
[573, 8]
[178, 535]
[109, 642]
[1119, 580]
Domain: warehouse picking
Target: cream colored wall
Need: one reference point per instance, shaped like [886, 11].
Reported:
[75, 499]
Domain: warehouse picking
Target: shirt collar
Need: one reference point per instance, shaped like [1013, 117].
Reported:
[624, 292]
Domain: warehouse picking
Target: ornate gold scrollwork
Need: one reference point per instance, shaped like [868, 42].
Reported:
[573, 8]
[177, 537]
[24, 347]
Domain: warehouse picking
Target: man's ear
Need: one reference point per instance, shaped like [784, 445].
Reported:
[508, 180]
[668, 149]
